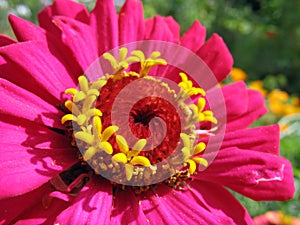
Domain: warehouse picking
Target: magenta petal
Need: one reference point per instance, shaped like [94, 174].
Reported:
[24, 169]
[236, 99]
[32, 208]
[257, 175]
[45, 18]
[30, 134]
[66, 8]
[264, 139]
[162, 29]
[20, 103]
[158, 29]
[71, 9]
[131, 22]
[12, 208]
[217, 56]
[104, 22]
[220, 202]
[256, 108]
[127, 209]
[195, 36]
[31, 66]
[80, 40]
[92, 205]
[27, 31]
[5, 40]
[167, 206]
[174, 28]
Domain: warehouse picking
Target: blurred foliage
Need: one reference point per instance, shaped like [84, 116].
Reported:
[264, 38]
[21, 8]
[27, 9]
[263, 35]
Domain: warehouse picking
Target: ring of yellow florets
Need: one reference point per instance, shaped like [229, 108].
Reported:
[98, 152]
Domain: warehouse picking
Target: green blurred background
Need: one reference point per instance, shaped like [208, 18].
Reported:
[264, 38]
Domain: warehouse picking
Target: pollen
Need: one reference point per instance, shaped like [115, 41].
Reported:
[164, 127]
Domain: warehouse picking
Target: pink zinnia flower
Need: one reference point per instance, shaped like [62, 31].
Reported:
[45, 179]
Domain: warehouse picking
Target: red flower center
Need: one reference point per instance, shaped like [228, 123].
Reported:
[151, 117]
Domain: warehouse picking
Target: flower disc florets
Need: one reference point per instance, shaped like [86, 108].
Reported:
[151, 137]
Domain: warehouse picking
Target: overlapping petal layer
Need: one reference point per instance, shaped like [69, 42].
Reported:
[255, 174]
[167, 206]
[28, 168]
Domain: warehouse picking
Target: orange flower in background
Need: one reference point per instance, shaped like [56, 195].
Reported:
[278, 95]
[279, 103]
[277, 100]
[296, 101]
[237, 74]
[258, 86]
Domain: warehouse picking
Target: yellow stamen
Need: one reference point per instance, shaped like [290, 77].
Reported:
[88, 102]
[71, 91]
[201, 104]
[213, 120]
[154, 55]
[201, 161]
[138, 54]
[69, 105]
[140, 160]
[72, 107]
[106, 146]
[111, 59]
[186, 152]
[184, 77]
[108, 132]
[97, 125]
[98, 84]
[79, 96]
[89, 153]
[68, 117]
[93, 92]
[129, 171]
[147, 64]
[93, 112]
[187, 86]
[194, 116]
[139, 145]
[121, 157]
[192, 166]
[81, 119]
[122, 54]
[83, 136]
[122, 63]
[122, 143]
[208, 113]
[200, 147]
[186, 140]
[132, 59]
[83, 83]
